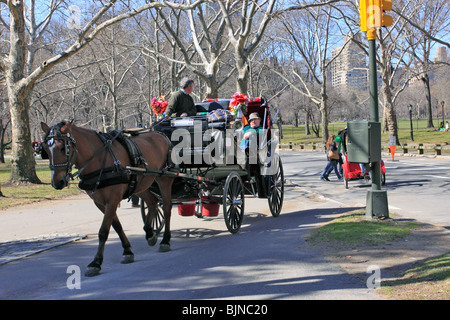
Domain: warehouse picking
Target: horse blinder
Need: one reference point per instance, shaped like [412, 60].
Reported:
[42, 152]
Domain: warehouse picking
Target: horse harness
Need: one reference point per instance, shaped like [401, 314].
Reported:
[103, 177]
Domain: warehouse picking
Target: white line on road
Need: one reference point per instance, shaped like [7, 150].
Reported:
[439, 177]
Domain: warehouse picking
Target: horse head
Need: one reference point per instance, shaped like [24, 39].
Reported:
[59, 147]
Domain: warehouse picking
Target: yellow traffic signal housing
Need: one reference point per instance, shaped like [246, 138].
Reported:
[384, 5]
[372, 13]
[363, 14]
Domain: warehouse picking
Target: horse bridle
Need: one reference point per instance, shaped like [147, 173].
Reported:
[55, 134]
[68, 140]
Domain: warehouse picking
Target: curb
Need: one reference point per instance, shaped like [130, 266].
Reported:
[19, 249]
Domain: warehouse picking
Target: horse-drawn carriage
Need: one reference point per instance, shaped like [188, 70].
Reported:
[224, 174]
[207, 165]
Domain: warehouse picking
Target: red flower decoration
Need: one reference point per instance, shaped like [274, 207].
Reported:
[239, 101]
[159, 105]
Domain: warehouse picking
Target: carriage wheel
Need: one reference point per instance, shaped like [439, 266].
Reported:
[275, 190]
[233, 202]
[158, 220]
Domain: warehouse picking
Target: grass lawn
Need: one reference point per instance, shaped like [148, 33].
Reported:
[420, 133]
[25, 194]
[356, 229]
[429, 279]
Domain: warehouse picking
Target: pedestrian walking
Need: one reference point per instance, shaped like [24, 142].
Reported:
[339, 140]
[135, 201]
[333, 159]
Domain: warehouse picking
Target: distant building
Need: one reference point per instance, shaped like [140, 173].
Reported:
[441, 54]
[349, 70]
[432, 71]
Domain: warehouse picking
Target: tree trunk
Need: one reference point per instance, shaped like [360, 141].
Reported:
[212, 89]
[426, 83]
[307, 131]
[324, 121]
[2, 140]
[389, 113]
[241, 83]
[324, 110]
[243, 70]
[23, 165]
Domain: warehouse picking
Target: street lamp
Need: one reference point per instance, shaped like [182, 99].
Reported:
[410, 121]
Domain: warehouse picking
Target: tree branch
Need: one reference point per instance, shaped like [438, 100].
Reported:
[88, 33]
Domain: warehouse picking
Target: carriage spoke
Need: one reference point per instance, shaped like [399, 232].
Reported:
[233, 204]
[276, 190]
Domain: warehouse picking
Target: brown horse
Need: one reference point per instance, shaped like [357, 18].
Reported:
[67, 145]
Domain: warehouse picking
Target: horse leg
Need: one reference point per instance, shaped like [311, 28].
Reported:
[165, 185]
[127, 256]
[95, 266]
[151, 202]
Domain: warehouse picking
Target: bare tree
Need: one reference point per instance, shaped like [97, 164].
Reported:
[430, 19]
[308, 36]
[201, 51]
[243, 37]
[21, 75]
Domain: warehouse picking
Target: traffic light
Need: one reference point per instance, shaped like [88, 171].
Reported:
[363, 14]
[384, 5]
[372, 13]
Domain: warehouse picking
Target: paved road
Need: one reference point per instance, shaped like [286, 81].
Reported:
[267, 259]
[417, 187]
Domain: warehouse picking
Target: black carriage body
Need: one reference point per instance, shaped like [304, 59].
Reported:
[224, 182]
[189, 187]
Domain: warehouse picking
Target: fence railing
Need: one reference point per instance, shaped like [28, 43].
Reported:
[302, 146]
[420, 148]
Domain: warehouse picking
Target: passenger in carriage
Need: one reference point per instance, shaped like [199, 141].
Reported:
[181, 103]
[251, 130]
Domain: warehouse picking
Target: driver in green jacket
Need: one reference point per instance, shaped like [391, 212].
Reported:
[181, 103]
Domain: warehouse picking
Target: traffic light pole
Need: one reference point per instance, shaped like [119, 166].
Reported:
[373, 87]
[376, 202]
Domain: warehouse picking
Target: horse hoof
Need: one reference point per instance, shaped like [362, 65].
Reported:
[152, 241]
[92, 272]
[128, 258]
[164, 247]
